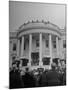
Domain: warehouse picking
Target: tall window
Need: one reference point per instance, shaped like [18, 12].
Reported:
[14, 47]
[54, 44]
[47, 43]
[64, 43]
[37, 43]
[25, 43]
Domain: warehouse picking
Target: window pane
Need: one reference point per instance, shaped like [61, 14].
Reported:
[47, 43]
[14, 47]
[64, 43]
[54, 44]
[37, 43]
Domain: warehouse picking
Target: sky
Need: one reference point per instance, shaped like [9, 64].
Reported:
[21, 12]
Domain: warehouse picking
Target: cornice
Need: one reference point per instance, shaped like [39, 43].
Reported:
[38, 27]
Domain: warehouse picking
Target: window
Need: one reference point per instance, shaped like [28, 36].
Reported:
[54, 44]
[64, 43]
[26, 43]
[14, 47]
[37, 43]
[47, 43]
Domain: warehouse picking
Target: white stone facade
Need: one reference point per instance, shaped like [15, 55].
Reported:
[38, 42]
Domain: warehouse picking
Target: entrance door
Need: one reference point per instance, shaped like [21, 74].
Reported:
[35, 58]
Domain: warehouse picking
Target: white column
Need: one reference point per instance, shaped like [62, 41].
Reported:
[30, 48]
[61, 48]
[22, 46]
[18, 48]
[50, 47]
[40, 49]
[57, 46]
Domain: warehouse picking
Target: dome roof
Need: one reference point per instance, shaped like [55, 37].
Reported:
[38, 24]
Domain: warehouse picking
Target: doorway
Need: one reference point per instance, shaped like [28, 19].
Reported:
[35, 58]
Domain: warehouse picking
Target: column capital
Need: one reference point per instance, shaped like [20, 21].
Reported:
[49, 34]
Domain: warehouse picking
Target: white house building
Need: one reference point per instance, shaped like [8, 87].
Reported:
[38, 43]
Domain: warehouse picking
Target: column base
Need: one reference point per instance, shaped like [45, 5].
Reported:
[41, 64]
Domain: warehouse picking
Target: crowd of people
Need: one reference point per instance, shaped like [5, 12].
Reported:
[19, 78]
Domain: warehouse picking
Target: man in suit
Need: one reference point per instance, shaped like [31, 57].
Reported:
[51, 78]
[28, 79]
[14, 78]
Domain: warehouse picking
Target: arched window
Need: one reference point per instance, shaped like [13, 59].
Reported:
[54, 41]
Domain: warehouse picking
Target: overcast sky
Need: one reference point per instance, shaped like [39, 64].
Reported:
[20, 12]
